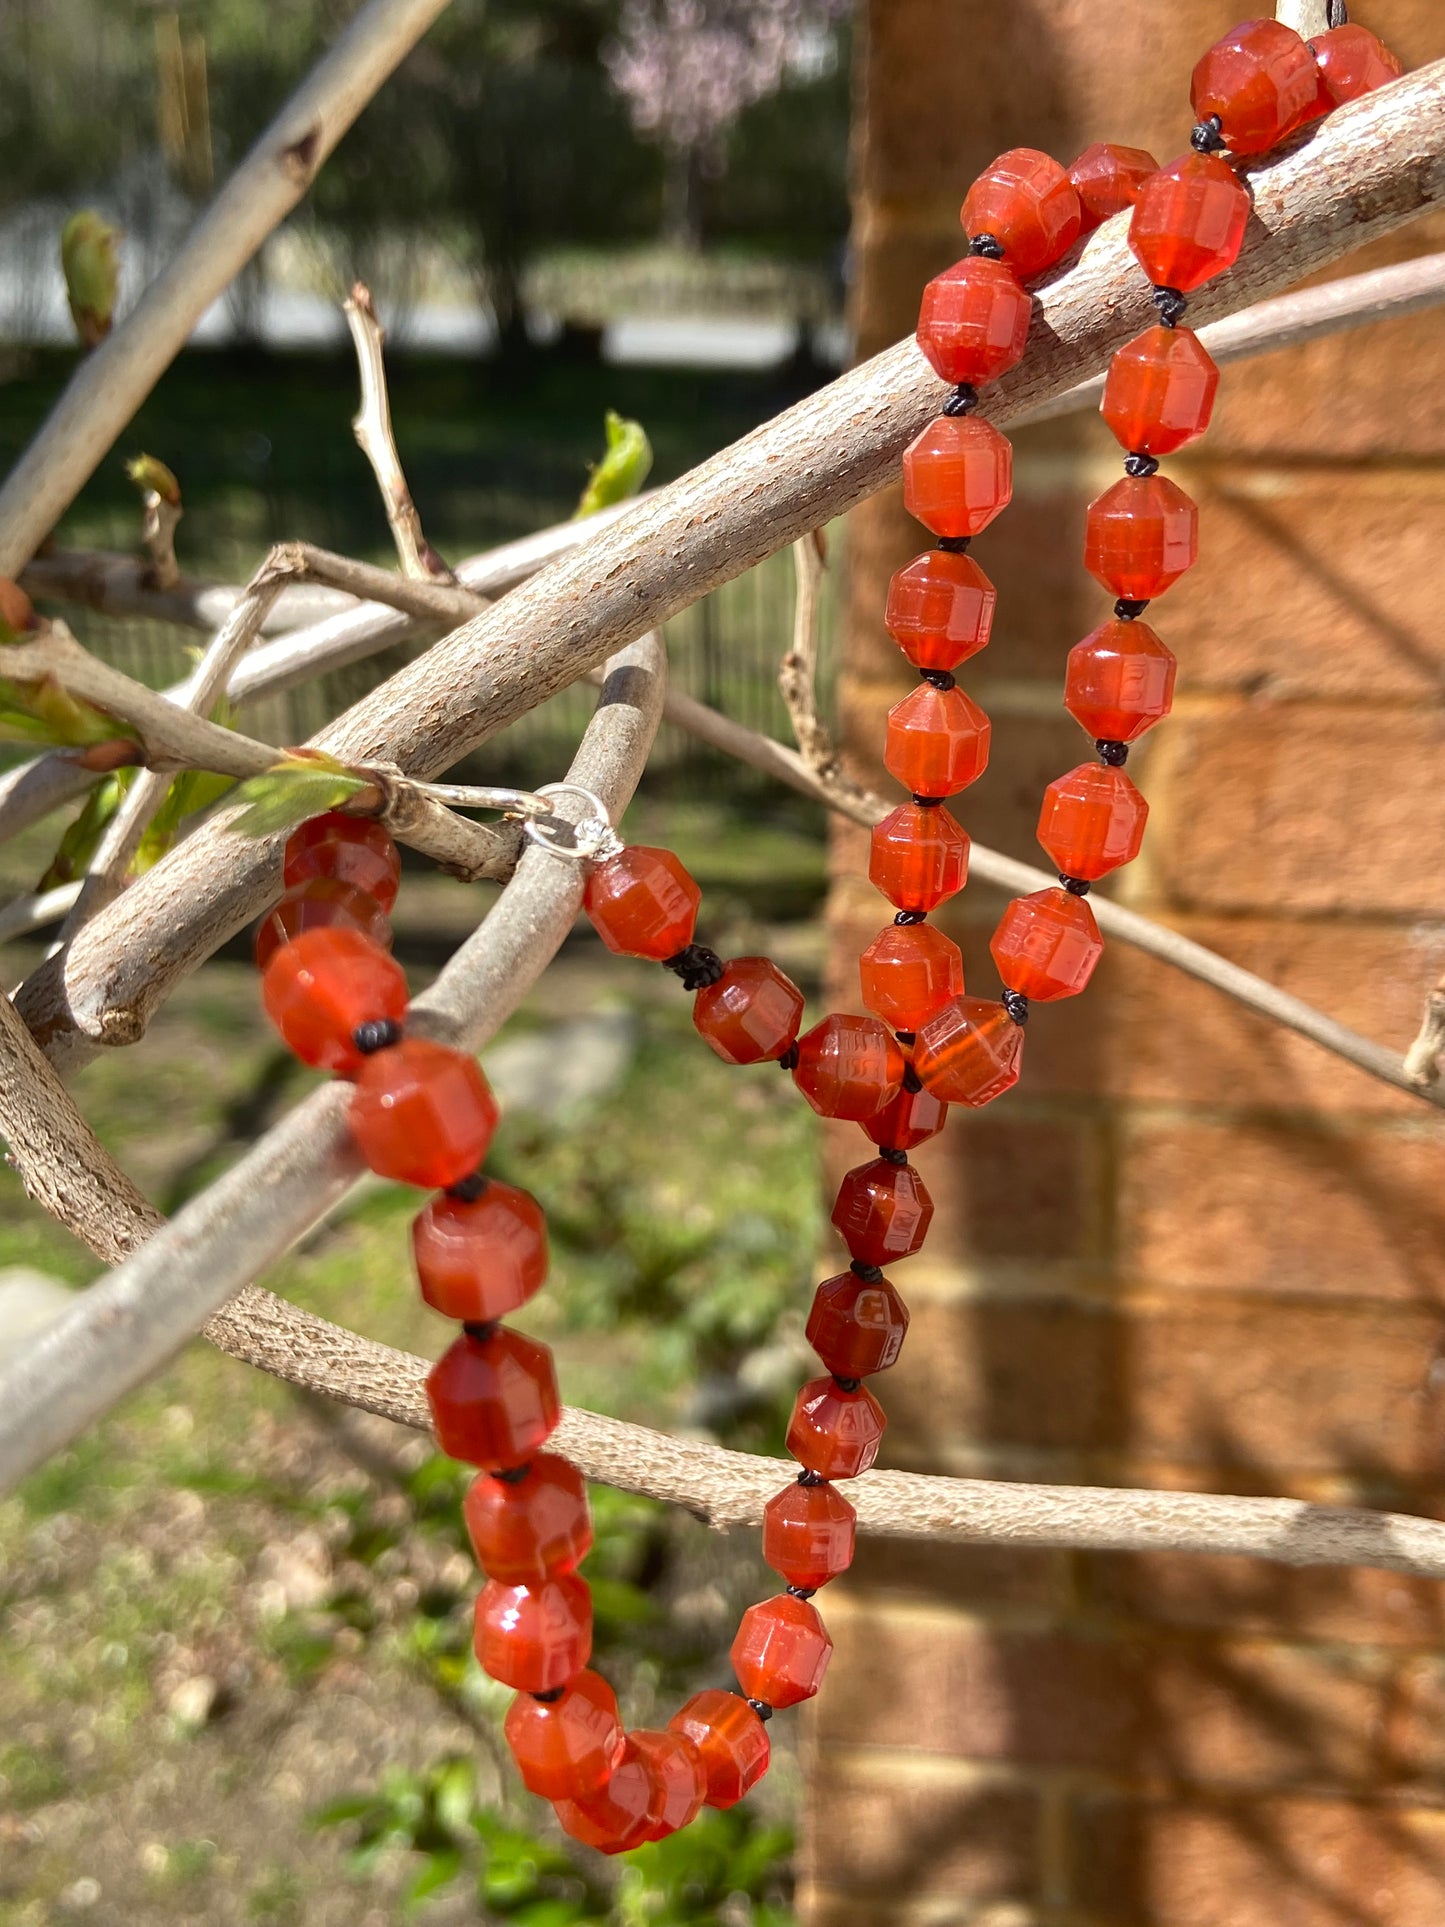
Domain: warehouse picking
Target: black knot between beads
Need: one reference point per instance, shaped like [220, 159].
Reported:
[762, 1709]
[1141, 467]
[1127, 611]
[513, 1474]
[954, 544]
[940, 678]
[1017, 1006]
[848, 1384]
[1207, 135]
[891, 1155]
[912, 1082]
[482, 1330]
[698, 967]
[1110, 752]
[811, 1478]
[1076, 886]
[988, 245]
[962, 401]
[789, 1059]
[905, 1038]
[929, 802]
[467, 1190]
[910, 916]
[801, 1592]
[1171, 304]
[379, 1034]
[870, 1274]
[550, 1698]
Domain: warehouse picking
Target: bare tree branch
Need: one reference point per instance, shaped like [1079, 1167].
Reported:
[110, 384]
[1307, 17]
[377, 442]
[1422, 1060]
[427, 601]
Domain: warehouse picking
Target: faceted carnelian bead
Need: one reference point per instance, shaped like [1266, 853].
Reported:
[855, 1327]
[882, 1212]
[1027, 203]
[1140, 537]
[493, 1400]
[616, 1817]
[919, 856]
[781, 1651]
[1260, 81]
[940, 609]
[318, 989]
[643, 903]
[973, 322]
[1107, 179]
[352, 849]
[908, 971]
[912, 1118]
[422, 1114]
[535, 1638]
[970, 1052]
[848, 1067]
[1351, 62]
[957, 475]
[1159, 392]
[937, 741]
[1047, 944]
[1092, 820]
[530, 1529]
[1189, 221]
[322, 904]
[833, 1432]
[1119, 681]
[479, 1258]
[679, 1780]
[568, 1746]
[731, 1739]
[751, 1013]
[808, 1533]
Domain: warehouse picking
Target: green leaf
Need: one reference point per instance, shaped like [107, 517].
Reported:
[150, 474]
[81, 839]
[291, 792]
[46, 712]
[192, 791]
[441, 1869]
[622, 470]
[91, 266]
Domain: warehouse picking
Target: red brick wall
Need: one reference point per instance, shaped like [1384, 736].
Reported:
[1190, 1250]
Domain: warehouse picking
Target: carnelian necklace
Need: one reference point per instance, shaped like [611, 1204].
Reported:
[423, 1115]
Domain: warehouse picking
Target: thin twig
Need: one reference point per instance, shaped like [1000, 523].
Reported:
[430, 601]
[377, 442]
[1422, 1060]
[110, 384]
[126, 1327]
[798, 679]
[161, 518]
[1307, 17]
[25, 915]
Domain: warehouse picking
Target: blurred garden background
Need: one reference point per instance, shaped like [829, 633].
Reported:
[236, 1682]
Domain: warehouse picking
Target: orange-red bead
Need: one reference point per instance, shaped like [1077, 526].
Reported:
[731, 1739]
[937, 741]
[751, 1013]
[678, 1779]
[1159, 392]
[1092, 820]
[910, 1119]
[940, 609]
[535, 1638]
[530, 1529]
[808, 1534]
[617, 1816]
[322, 904]
[834, 1432]
[1119, 681]
[1107, 179]
[970, 1053]
[1141, 535]
[1028, 204]
[478, 1259]
[957, 475]
[1260, 80]
[1047, 944]
[882, 1212]
[320, 987]
[422, 1114]
[908, 971]
[856, 1327]
[643, 903]
[1351, 62]
[569, 1746]
[973, 322]
[1188, 222]
[352, 849]
[494, 1400]
[848, 1066]
[781, 1651]
[919, 856]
